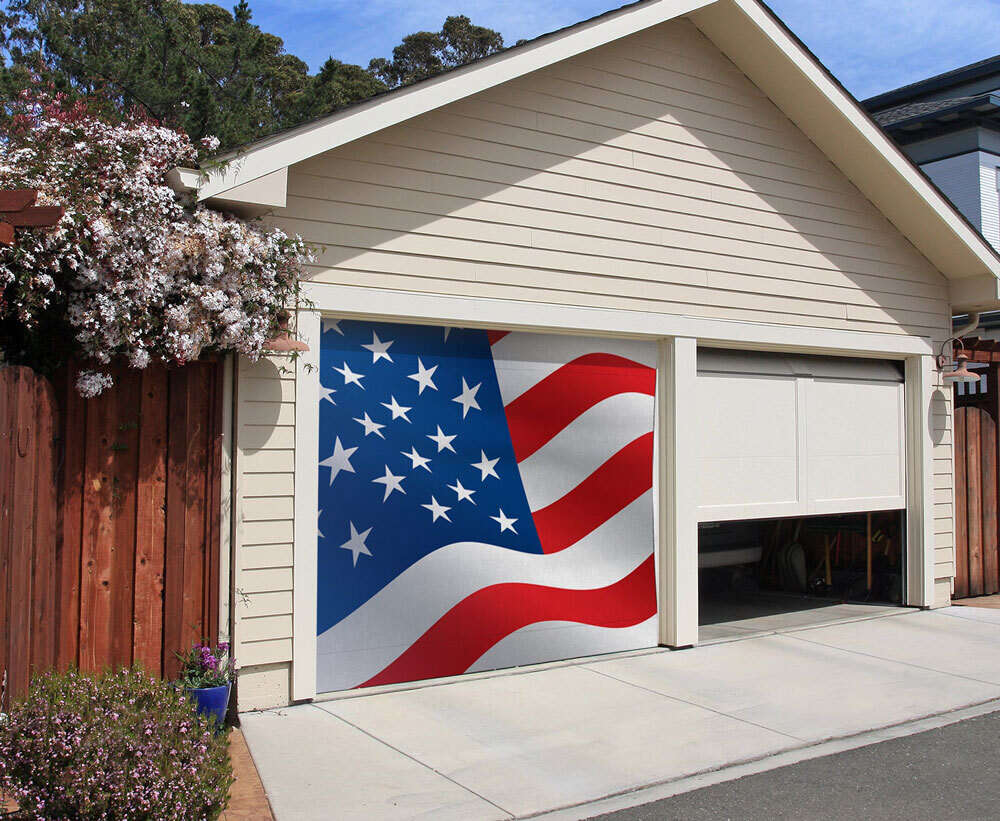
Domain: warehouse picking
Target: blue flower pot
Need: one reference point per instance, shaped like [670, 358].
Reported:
[212, 701]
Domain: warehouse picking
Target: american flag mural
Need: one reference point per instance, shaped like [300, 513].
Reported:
[485, 500]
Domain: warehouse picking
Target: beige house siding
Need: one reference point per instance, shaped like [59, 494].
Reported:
[265, 464]
[649, 174]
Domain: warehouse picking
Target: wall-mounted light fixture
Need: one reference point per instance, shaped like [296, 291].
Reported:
[284, 342]
[961, 372]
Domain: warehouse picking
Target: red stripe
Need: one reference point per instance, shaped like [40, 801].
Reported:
[543, 410]
[496, 336]
[479, 621]
[609, 489]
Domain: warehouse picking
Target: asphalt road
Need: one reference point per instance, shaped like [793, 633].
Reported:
[944, 774]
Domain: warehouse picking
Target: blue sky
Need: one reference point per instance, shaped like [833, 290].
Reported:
[870, 45]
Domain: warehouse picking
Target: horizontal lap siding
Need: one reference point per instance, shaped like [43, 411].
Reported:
[649, 175]
[265, 441]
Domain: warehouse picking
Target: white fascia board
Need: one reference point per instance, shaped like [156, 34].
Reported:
[314, 138]
[183, 179]
[351, 301]
[762, 48]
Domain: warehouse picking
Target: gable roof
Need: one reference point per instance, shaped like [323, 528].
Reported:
[759, 44]
[931, 85]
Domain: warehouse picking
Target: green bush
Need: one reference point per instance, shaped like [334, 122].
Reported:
[121, 745]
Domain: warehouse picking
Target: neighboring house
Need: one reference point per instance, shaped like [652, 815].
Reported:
[949, 125]
[654, 270]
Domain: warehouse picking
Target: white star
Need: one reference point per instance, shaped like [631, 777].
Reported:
[467, 398]
[350, 376]
[379, 348]
[463, 492]
[371, 427]
[486, 466]
[326, 394]
[318, 531]
[330, 324]
[341, 460]
[442, 440]
[437, 511]
[417, 460]
[505, 523]
[356, 544]
[391, 483]
[423, 377]
[398, 411]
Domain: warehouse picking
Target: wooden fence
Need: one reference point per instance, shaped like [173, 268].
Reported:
[977, 488]
[123, 496]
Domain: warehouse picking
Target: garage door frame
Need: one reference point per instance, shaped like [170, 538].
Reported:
[676, 504]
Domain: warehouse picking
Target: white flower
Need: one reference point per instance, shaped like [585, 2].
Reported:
[138, 273]
[92, 383]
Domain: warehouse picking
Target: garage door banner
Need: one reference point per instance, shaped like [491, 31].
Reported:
[485, 500]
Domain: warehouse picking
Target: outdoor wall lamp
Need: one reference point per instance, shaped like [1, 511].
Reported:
[961, 372]
[284, 342]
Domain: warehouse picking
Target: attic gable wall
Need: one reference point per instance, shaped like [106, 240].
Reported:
[647, 174]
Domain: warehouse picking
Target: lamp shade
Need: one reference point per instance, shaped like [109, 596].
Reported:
[961, 372]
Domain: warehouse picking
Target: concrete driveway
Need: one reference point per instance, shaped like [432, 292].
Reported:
[520, 743]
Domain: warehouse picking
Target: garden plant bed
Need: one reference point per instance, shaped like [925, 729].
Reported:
[247, 800]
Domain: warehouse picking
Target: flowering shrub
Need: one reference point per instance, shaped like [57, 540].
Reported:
[120, 746]
[204, 667]
[131, 270]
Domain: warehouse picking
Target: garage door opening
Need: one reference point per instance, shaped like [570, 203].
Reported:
[762, 575]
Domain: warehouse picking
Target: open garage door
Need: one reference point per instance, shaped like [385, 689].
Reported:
[485, 500]
[802, 487]
[798, 435]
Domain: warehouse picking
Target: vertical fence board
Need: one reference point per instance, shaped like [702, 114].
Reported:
[973, 476]
[961, 507]
[70, 540]
[6, 489]
[98, 534]
[213, 498]
[23, 527]
[44, 603]
[195, 555]
[176, 519]
[125, 449]
[151, 499]
[988, 455]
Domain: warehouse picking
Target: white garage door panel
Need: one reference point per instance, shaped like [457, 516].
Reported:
[749, 449]
[784, 436]
[854, 445]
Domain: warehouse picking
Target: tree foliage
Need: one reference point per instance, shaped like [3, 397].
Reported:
[201, 68]
[426, 53]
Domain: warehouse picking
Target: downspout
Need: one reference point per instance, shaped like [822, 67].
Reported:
[968, 327]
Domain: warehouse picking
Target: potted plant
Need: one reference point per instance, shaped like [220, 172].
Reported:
[207, 674]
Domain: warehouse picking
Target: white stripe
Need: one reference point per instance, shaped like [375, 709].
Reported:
[557, 640]
[583, 446]
[370, 638]
[523, 359]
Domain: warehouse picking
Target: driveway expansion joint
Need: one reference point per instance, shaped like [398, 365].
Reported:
[414, 759]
